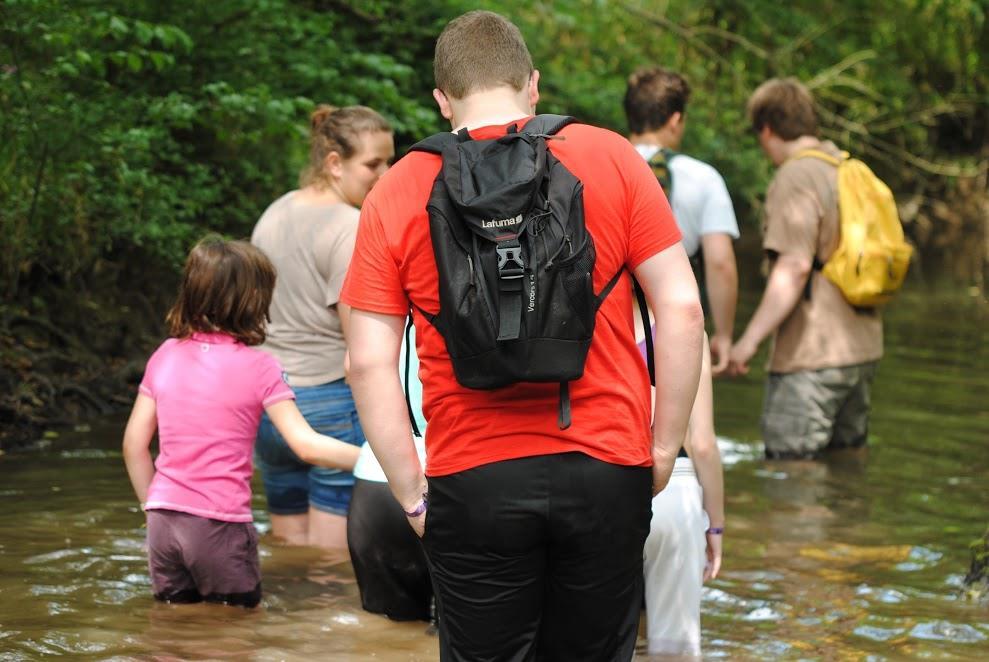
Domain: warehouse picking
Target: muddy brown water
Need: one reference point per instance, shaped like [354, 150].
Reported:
[849, 558]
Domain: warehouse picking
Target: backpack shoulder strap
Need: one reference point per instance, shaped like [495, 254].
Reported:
[662, 157]
[836, 161]
[408, 372]
[822, 156]
[640, 298]
[547, 125]
[660, 165]
[435, 143]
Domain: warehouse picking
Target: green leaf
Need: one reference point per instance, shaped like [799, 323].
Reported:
[118, 27]
[144, 32]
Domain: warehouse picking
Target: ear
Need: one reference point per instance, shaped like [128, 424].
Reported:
[676, 121]
[333, 164]
[446, 110]
[534, 89]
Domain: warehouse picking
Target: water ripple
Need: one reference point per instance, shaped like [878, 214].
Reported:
[945, 631]
[877, 634]
[763, 614]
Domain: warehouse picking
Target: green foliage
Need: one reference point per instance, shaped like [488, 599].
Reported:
[132, 127]
[911, 100]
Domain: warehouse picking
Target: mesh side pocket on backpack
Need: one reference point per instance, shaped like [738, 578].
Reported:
[577, 276]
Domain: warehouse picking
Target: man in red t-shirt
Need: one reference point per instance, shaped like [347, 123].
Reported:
[534, 534]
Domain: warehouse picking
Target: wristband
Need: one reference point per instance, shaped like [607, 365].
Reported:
[716, 530]
[420, 509]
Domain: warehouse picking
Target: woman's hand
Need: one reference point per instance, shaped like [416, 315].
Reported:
[713, 565]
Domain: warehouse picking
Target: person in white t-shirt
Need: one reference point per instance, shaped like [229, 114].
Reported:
[388, 559]
[683, 548]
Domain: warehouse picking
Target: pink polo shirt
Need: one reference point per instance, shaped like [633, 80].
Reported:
[210, 391]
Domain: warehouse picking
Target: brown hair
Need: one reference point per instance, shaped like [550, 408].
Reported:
[337, 130]
[480, 50]
[226, 287]
[652, 96]
[786, 106]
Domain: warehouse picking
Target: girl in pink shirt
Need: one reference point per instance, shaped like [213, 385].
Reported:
[204, 391]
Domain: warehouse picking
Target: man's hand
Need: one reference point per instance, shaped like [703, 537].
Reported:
[785, 286]
[720, 353]
[662, 469]
[721, 275]
[739, 356]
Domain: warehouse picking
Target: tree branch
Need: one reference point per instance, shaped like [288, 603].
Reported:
[686, 35]
[733, 37]
[834, 71]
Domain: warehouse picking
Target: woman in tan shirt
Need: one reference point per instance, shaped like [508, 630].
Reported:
[309, 236]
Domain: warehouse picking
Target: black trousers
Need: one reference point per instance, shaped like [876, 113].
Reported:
[539, 558]
[387, 556]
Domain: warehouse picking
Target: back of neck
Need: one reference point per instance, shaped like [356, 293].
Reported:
[659, 138]
[488, 108]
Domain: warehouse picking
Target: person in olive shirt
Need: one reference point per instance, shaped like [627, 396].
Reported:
[825, 351]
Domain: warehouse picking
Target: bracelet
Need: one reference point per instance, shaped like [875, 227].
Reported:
[420, 509]
[716, 530]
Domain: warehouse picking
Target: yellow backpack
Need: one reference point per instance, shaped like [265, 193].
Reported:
[872, 257]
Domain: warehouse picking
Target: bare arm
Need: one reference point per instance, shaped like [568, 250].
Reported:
[702, 446]
[671, 292]
[721, 275]
[309, 445]
[376, 341]
[140, 430]
[343, 310]
[783, 291]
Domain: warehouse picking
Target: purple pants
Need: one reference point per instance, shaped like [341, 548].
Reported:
[195, 559]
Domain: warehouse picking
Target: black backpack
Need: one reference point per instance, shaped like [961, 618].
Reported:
[515, 260]
[660, 164]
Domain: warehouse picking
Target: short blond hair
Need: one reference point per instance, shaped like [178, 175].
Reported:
[480, 50]
[786, 106]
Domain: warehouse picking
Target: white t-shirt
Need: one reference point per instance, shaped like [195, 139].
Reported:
[701, 203]
[368, 467]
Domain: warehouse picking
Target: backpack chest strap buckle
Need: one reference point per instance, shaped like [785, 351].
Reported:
[510, 263]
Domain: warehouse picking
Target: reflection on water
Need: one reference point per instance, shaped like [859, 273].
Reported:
[859, 556]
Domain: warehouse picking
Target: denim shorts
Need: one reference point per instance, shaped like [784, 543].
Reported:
[291, 485]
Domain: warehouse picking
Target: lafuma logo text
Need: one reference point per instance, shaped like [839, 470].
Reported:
[505, 222]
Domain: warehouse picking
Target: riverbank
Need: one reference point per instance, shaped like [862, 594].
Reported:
[70, 354]
[67, 357]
